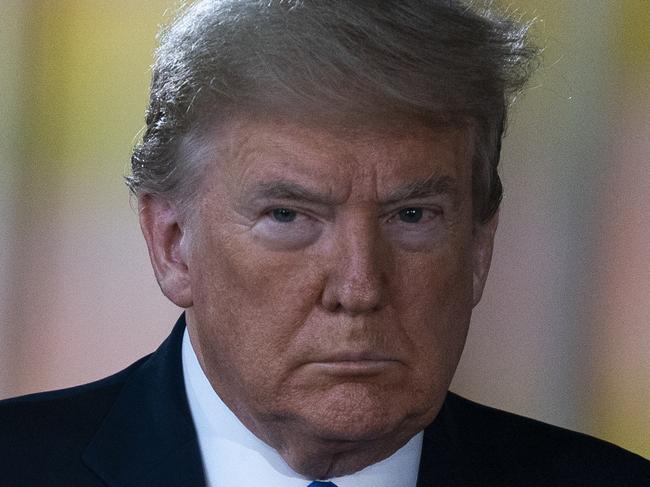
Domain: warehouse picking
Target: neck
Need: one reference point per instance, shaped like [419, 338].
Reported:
[329, 459]
[319, 456]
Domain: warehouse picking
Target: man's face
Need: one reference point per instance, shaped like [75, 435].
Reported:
[333, 273]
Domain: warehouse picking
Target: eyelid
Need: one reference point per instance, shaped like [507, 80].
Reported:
[315, 212]
[436, 209]
[301, 215]
[276, 234]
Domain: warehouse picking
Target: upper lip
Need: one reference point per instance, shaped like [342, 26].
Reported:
[356, 356]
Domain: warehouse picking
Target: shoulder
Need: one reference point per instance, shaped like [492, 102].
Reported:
[52, 412]
[47, 429]
[508, 446]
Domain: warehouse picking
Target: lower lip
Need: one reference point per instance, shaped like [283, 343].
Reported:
[355, 367]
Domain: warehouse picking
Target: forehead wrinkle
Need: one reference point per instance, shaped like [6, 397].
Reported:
[296, 166]
[278, 165]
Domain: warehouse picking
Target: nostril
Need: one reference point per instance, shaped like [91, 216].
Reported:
[354, 295]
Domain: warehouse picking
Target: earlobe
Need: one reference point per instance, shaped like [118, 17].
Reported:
[482, 254]
[164, 232]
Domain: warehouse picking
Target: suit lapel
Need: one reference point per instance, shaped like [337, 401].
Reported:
[148, 437]
[443, 459]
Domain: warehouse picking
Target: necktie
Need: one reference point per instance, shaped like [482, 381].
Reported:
[318, 483]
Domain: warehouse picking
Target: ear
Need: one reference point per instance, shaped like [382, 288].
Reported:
[163, 231]
[482, 254]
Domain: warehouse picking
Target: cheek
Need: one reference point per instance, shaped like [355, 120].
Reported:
[250, 303]
[433, 297]
[233, 272]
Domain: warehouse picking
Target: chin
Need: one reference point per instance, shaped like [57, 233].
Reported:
[344, 428]
[352, 428]
[356, 412]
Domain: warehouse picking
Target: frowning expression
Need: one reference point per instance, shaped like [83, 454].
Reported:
[333, 272]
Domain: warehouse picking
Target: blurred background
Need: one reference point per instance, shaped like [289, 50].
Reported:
[563, 332]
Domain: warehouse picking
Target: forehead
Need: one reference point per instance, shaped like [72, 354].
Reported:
[339, 155]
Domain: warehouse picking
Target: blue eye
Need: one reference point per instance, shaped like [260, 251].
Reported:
[410, 215]
[283, 215]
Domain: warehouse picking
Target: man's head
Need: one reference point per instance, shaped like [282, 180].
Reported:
[434, 59]
[318, 188]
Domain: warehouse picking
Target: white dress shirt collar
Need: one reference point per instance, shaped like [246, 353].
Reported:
[233, 456]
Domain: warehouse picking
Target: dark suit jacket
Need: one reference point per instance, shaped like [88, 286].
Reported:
[135, 429]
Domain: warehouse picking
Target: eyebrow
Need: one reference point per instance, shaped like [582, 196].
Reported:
[435, 185]
[286, 190]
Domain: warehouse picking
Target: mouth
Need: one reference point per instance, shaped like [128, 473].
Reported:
[355, 367]
[355, 364]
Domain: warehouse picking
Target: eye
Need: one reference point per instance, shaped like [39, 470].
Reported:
[410, 215]
[416, 218]
[283, 228]
[415, 227]
[283, 215]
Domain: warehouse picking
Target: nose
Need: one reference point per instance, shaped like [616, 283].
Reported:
[358, 269]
